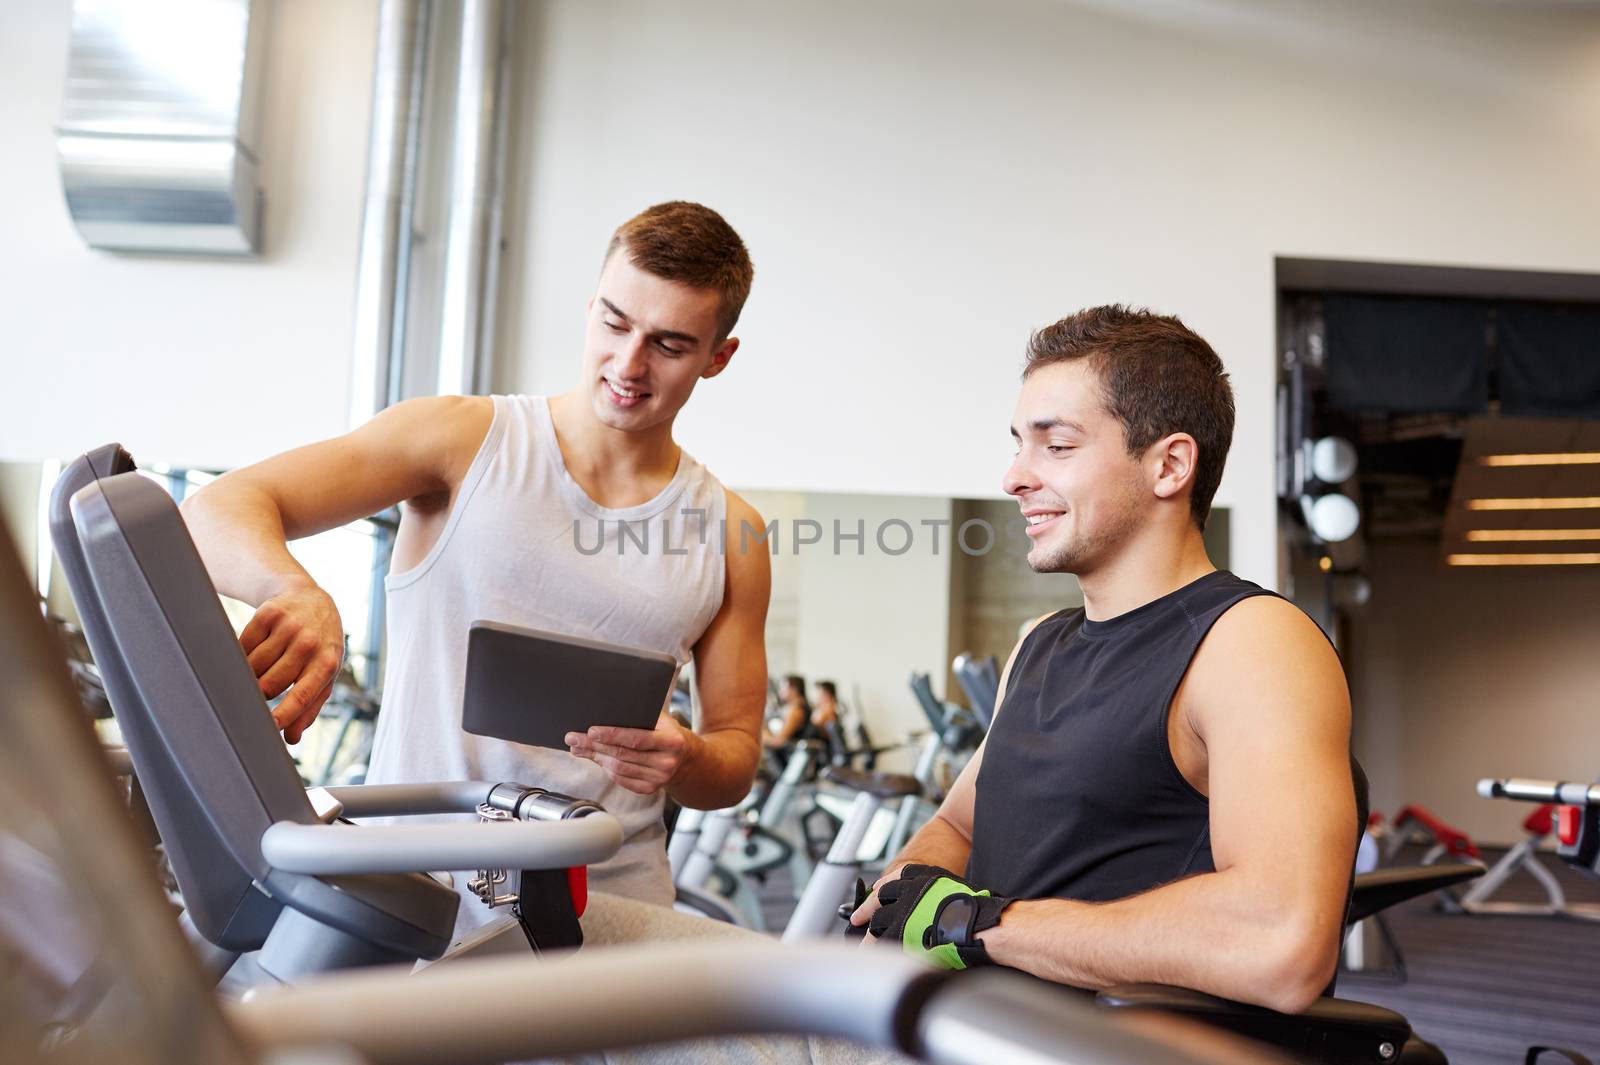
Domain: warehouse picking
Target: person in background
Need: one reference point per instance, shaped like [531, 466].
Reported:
[793, 715]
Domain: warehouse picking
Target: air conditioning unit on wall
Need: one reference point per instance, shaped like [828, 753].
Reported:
[158, 125]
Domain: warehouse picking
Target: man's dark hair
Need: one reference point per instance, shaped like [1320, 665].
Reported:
[1157, 377]
[797, 682]
[827, 686]
[693, 245]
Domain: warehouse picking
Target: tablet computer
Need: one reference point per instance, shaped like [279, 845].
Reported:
[534, 687]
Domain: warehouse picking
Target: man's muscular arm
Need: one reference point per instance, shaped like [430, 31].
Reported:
[242, 522]
[713, 767]
[1267, 697]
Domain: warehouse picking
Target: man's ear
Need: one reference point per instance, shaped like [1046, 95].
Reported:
[1174, 460]
[720, 357]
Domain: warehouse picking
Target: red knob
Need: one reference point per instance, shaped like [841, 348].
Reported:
[1569, 819]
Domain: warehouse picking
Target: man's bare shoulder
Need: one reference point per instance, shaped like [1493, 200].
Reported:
[439, 433]
[1271, 621]
[1262, 651]
[747, 548]
[438, 417]
[740, 510]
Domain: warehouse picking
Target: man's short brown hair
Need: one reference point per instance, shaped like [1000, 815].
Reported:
[693, 245]
[1157, 377]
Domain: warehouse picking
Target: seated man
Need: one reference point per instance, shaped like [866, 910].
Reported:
[1165, 795]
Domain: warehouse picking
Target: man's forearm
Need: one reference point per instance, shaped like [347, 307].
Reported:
[936, 843]
[1212, 932]
[717, 771]
[241, 541]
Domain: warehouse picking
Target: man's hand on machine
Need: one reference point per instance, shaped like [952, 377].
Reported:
[295, 643]
[862, 916]
[934, 915]
[642, 760]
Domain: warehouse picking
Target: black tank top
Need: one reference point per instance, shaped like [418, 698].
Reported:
[1078, 796]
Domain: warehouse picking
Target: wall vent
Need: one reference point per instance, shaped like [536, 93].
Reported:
[157, 135]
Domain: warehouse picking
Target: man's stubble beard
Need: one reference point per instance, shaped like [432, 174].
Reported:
[1086, 552]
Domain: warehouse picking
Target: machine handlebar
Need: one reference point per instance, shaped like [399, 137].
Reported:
[1564, 793]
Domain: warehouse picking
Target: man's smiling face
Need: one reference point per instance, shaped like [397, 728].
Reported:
[1079, 489]
[647, 341]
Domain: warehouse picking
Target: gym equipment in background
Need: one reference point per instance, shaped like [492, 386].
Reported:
[1577, 821]
[1415, 824]
[980, 680]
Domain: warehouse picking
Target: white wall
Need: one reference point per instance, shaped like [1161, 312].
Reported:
[187, 360]
[1458, 675]
[923, 181]
[783, 609]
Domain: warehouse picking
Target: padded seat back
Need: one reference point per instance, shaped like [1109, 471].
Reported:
[218, 887]
[202, 740]
[196, 725]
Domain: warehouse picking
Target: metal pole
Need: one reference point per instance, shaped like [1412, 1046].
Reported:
[482, 89]
[386, 217]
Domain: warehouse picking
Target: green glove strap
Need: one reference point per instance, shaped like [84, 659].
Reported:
[944, 956]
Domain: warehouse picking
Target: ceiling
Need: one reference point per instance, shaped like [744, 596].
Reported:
[1476, 480]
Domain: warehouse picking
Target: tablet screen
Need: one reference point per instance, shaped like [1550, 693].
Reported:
[534, 687]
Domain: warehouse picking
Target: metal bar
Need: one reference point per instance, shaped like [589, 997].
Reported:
[484, 364]
[385, 222]
[816, 912]
[399, 313]
[697, 867]
[667, 992]
[400, 800]
[684, 837]
[608, 998]
[482, 86]
[1563, 792]
[329, 849]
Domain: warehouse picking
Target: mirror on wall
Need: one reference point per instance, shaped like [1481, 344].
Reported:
[866, 591]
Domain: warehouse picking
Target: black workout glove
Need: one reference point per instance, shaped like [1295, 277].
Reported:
[936, 916]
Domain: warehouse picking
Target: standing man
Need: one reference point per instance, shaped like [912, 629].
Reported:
[503, 502]
[1166, 793]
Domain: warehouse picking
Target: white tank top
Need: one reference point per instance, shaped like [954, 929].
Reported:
[525, 544]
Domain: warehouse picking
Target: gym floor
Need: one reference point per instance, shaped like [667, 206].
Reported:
[1483, 988]
[1487, 988]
